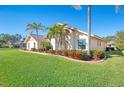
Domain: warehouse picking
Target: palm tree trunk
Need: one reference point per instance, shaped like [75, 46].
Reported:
[37, 39]
[74, 38]
[63, 42]
[89, 29]
[58, 42]
[65, 46]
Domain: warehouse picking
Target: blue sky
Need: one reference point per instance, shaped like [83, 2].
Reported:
[13, 19]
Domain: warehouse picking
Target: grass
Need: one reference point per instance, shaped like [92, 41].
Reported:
[20, 69]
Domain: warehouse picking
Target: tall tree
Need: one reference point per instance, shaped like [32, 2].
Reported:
[109, 38]
[36, 27]
[7, 37]
[4, 38]
[60, 34]
[18, 37]
[120, 40]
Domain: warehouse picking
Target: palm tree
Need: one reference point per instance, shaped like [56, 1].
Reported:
[52, 33]
[36, 27]
[60, 34]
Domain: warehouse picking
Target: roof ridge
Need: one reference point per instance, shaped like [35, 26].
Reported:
[38, 35]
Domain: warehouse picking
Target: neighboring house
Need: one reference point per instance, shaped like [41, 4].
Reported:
[111, 46]
[31, 41]
[14, 44]
[77, 40]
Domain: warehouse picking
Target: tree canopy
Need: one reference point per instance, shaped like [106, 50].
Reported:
[120, 39]
[109, 38]
[4, 38]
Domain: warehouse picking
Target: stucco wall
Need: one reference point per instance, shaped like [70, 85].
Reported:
[73, 42]
[53, 43]
[31, 41]
[95, 44]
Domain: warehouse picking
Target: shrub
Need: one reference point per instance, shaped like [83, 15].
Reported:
[40, 50]
[58, 52]
[51, 51]
[116, 52]
[71, 53]
[48, 47]
[97, 54]
[65, 53]
[45, 45]
[77, 55]
[5, 46]
[33, 49]
[80, 55]
[84, 55]
[23, 48]
[16, 46]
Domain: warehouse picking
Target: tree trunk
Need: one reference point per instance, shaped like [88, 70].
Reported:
[63, 41]
[89, 29]
[37, 39]
[74, 38]
[57, 42]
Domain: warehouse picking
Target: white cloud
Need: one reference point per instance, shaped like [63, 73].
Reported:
[77, 7]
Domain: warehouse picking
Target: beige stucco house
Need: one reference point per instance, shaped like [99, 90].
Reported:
[77, 40]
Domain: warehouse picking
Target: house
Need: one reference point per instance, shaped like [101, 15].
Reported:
[111, 46]
[32, 41]
[78, 40]
[14, 43]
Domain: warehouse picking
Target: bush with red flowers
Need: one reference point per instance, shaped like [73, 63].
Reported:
[98, 54]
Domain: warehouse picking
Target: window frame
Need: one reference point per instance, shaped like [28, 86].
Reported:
[81, 46]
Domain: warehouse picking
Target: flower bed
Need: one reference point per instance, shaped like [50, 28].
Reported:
[75, 54]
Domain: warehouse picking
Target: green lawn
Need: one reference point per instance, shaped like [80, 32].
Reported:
[25, 69]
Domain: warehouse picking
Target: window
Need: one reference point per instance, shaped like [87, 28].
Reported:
[28, 45]
[81, 43]
[34, 45]
[98, 43]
